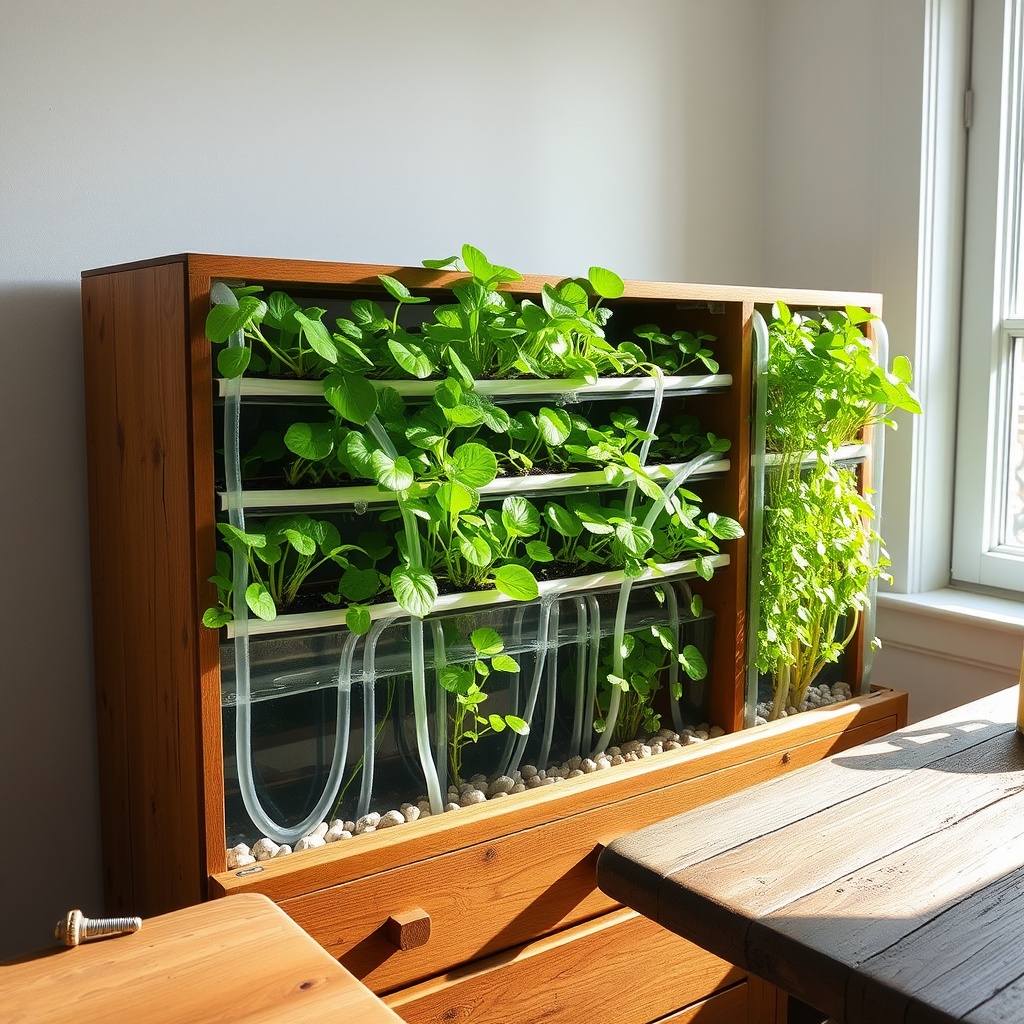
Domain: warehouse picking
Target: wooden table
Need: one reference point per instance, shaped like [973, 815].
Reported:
[885, 884]
[237, 959]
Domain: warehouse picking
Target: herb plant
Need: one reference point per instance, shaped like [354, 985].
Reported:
[466, 683]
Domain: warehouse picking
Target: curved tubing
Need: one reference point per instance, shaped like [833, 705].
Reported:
[592, 666]
[369, 715]
[513, 690]
[673, 668]
[538, 669]
[552, 691]
[440, 707]
[419, 671]
[581, 677]
[680, 477]
[220, 293]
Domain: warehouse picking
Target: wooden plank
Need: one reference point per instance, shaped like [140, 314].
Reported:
[339, 862]
[727, 1007]
[810, 946]
[766, 1004]
[527, 895]
[574, 976]
[629, 869]
[952, 968]
[106, 553]
[239, 959]
[715, 900]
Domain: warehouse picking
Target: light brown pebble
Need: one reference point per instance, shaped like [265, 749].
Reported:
[498, 796]
[701, 734]
[604, 762]
[452, 806]
[320, 830]
[502, 784]
[244, 860]
[587, 765]
[672, 745]
[390, 819]
[519, 787]
[631, 756]
[715, 731]
[643, 750]
[617, 759]
[241, 850]
[613, 751]
[576, 773]
[528, 771]
[283, 850]
[336, 832]
[574, 762]
[656, 746]
[424, 806]
[472, 796]
[479, 782]
[310, 842]
[533, 782]
[264, 849]
[410, 812]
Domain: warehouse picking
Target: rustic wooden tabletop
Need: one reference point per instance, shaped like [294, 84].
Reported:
[885, 884]
[235, 959]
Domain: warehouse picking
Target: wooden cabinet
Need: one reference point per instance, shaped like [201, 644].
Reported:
[508, 885]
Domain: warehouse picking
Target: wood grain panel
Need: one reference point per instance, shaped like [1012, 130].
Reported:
[142, 546]
[727, 1007]
[235, 960]
[340, 862]
[532, 882]
[575, 976]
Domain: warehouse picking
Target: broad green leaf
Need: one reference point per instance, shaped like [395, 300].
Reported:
[411, 357]
[368, 314]
[258, 598]
[214, 618]
[519, 516]
[445, 264]
[538, 551]
[301, 541]
[359, 453]
[606, 283]
[473, 465]
[516, 724]
[398, 291]
[223, 320]
[477, 263]
[902, 369]
[352, 395]
[562, 521]
[415, 590]
[358, 620]
[693, 662]
[359, 584]
[554, 425]
[317, 336]
[486, 641]
[312, 441]
[233, 361]
[392, 474]
[723, 527]
[281, 310]
[503, 663]
[696, 606]
[240, 538]
[455, 499]
[496, 722]
[476, 551]
[456, 680]
[517, 582]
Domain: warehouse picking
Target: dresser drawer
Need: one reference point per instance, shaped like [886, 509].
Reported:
[621, 968]
[726, 1007]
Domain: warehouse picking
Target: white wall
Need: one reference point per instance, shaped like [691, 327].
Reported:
[551, 134]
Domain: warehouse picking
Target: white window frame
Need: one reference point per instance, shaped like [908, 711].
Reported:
[993, 221]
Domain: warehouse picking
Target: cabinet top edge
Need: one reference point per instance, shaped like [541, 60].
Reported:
[321, 272]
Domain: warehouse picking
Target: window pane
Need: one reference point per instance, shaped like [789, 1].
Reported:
[1013, 512]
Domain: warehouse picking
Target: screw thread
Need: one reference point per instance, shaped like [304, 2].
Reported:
[95, 928]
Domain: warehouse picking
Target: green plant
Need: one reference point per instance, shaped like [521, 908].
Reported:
[281, 557]
[820, 553]
[466, 684]
[647, 655]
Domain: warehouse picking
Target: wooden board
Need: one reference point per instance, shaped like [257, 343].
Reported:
[233, 960]
[726, 1007]
[574, 976]
[897, 900]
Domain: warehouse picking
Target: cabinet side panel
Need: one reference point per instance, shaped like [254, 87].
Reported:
[102, 452]
[143, 547]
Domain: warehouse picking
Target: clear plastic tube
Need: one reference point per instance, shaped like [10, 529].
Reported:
[222, 294]
[370, 715]
[513, 689]
[672, 607]
[575, 747]
[593, 662]
[538, 671]
[440, 707]
[551, 691]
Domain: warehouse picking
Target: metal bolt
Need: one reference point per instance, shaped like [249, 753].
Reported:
[75, 928]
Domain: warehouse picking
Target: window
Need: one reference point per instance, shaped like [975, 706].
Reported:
[988, 533]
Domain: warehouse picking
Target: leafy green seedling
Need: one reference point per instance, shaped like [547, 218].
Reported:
[466, 683]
